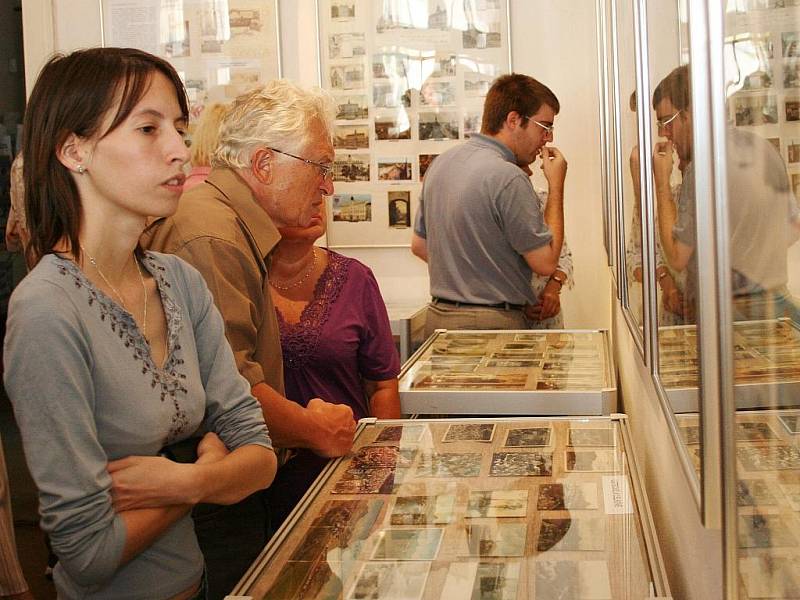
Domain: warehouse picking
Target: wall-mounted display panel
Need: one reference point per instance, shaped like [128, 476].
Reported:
[507, 508]
[220, 48]
[511, 372]
[409, 80]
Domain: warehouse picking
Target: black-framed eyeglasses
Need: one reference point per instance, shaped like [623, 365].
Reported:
[547, 128]
[662, 123]
[325, 170]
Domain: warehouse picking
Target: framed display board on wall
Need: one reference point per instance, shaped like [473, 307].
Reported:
[409, 79]
[220, 48]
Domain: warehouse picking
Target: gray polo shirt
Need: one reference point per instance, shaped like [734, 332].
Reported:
[479, 213]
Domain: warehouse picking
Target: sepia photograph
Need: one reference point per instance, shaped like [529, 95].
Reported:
[591, 436]
[394, 169]
[528, 437]
[497, 504]
[365, 481]
[408, 544]
[438, 126]
[352, 108]
[350, 137]
[513, 363]
[756, 110]
[567, 579]
[425, 161]
[769, 458]
[399, 209]
[389, 128]
[347, 45]
[576, 535]
[346, 77]
[567, 496]
[603, 461]
[442, 464]
[501, 381]
[517, 355]
[521, 464]
[380, 457]
[690, 434]
[754, 492]
[400, 580]
[495, 539]
[351, 208]
[410, 434]
[351, 167]
[482, 580]
[487, 36]
[343, 10]
[754, 431]
[764, 531]
[423, 510]
[469, 432]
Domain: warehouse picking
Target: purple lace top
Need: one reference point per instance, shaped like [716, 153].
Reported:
[343, 336]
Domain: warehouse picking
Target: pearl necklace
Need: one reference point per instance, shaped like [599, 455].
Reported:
[116, 292]
[299, 282]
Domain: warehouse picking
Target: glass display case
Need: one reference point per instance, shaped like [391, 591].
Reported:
[537, 508]
[563, 372]
[408, 327]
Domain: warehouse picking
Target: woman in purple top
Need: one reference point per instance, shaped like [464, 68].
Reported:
[336, 340]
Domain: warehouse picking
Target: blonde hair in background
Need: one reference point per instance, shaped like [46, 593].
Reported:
[278, 115]
[205, 137]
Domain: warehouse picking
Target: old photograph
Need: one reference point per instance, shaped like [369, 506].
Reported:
[690, 434]
[352, 108]
[494, 539]
[769, 576]
[406, 434]
[754, 431]
[377, 457]
[350, 137]
[389, 128]
[504, 381]
[365, 481]
[425, 161]
[351, 167]
[577, 535]
[400, 580]
[567, 496]
[343, 10]
[497, 504]
[446, 464]
[754, 492]
[394, 169]
[517, 355]
[351, 208]
[469, 432]
[488, 36]
[437, 93]
[423, 510]
[408, 544]
[346, 77]
[755, 110]
[580, 580]
[513, 363]
[399, 209]
[591, 436]
[438, 126]
[521, 464]
[603, 461]
[528, 437]
[482, 580]
[764, 531]
[768, 458]
[347, 45]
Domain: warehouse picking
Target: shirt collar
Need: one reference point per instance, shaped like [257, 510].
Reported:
[239, 197]
[493, 143]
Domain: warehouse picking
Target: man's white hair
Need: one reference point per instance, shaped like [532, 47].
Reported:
[278, 115]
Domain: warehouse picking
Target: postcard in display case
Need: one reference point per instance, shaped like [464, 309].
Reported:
[409, 80]
[767, 496]
[766, 360]
[456, 511]
[564, 372]
[220, 49]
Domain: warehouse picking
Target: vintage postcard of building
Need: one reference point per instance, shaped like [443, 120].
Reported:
[528, 437]
[482, 580]
[494, 539]
[572, 535]
[405, 434]
[497, 504]
[408, 544]
[591, 460]
[423, 510]
[521, 464]
[570, 495]
[469, 432]
[446, 464]
[402, 580]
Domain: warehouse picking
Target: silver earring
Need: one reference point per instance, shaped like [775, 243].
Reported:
[81, 169]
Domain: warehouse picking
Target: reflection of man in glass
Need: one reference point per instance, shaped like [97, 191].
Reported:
[762, 211]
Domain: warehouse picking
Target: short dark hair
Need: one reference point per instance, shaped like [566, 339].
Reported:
[514, 92]
[73, 94]
[675, 87]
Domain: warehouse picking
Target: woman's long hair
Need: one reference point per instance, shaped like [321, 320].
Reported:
[73, 94]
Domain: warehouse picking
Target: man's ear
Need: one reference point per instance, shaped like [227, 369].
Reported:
[262, 162]
[513, 120]
[74, 153]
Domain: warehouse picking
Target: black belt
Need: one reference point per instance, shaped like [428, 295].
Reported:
[503, 305]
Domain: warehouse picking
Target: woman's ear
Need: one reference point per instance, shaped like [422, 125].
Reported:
[261, 163]
[74, 153]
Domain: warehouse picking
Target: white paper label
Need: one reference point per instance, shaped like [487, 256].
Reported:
[616, 495]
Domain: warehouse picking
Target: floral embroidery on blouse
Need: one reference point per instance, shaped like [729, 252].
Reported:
[299, 340]
[167, 378]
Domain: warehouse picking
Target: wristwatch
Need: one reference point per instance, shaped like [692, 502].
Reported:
[560, 278]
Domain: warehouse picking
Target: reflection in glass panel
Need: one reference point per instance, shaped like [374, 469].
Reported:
[675, 226]
[762, 76]
[631, 190]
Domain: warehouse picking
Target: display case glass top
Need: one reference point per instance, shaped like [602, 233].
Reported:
[510, 372]
[507, 508]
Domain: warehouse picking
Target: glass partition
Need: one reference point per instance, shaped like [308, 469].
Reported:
[762, 95]
[630, 227]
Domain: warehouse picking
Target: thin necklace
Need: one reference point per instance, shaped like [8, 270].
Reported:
[116, 292]
[302, 279]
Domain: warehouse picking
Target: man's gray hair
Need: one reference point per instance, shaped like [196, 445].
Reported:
[278, 115]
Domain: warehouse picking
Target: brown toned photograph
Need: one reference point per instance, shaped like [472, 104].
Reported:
[425, 161]
[507, 381]
[764, 531]
[756, 431]
[405, 433]
[754, 492]
[497, 504]
[408, 544]
[495, 539]
[528, 437]
[441, 464]
[423, 510]
[382, 457]
[469, 432]
[521, 464]
[591, 436]
[591, 460]
[769, 458]
[571, 535]
[365, 481]
[567, 496]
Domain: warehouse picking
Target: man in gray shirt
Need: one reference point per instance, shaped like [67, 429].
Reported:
[479, 226]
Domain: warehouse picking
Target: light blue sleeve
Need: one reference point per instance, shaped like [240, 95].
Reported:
[48, 377]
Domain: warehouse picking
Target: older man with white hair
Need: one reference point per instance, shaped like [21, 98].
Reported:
[269, 173]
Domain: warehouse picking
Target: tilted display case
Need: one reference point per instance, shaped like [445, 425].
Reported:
[526, 372]
[506, 508]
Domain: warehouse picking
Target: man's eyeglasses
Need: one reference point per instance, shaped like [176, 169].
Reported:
[325, 170]
[547, 128]
[662, 123]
